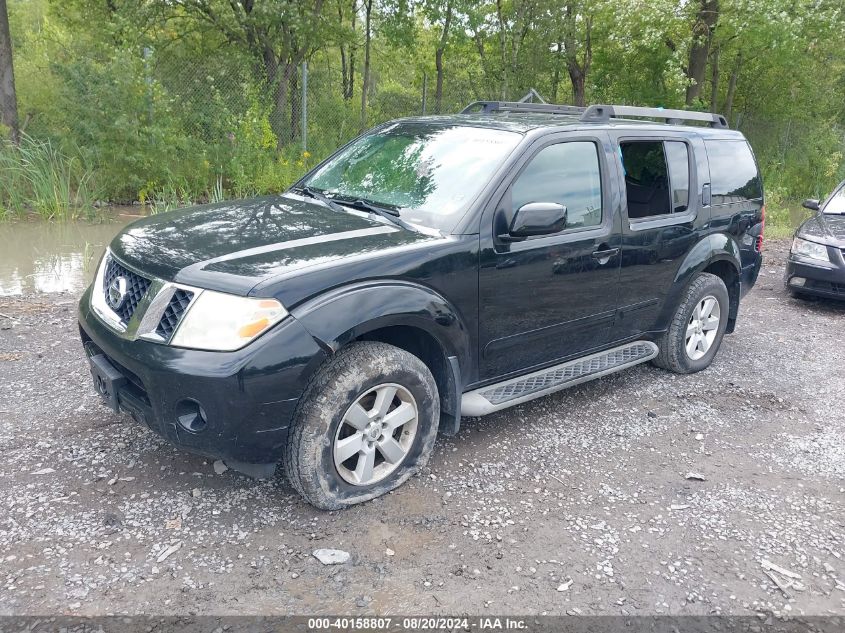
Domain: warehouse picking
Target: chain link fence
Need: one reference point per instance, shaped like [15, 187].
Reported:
[223, 107]
[187, 125]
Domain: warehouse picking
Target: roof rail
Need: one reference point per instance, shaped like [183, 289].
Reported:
[603, 113]
[487, 107]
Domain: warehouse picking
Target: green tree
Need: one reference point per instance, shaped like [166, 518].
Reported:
[279, 36]
[198, 96]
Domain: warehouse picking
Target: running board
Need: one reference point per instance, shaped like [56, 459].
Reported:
[540, 383]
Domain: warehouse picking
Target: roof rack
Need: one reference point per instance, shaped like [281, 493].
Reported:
[603, 113]
[488, 107]
[597, 113]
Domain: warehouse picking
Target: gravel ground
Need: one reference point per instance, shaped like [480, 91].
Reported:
[640, 493]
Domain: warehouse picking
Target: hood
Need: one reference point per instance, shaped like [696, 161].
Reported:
[824, 228]
[233, 246]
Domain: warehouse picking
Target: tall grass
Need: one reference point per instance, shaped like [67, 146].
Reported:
[177, 194]
[783, 213]
[13, 184]
[36, 176]
[172, 195]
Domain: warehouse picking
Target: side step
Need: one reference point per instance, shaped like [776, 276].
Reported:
[540, 383]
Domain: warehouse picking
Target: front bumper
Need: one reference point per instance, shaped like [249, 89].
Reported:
[820, 279]
[248, 396]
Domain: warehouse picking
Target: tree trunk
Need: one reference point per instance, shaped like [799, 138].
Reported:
[280, 88]
[577, 69]
[438, 59]
[579, 93]
[714, 81]
[280, 110]
[295, 105]
[729, 98]
[281, 116]
[502, 48]
[365, 84]
[555, 80]
[354, 24]
[347, 56]
[344, 73]
[702, 34]
[438, 88]
[478, 38]
[8, 97]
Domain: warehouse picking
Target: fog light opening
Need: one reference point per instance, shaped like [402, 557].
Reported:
[797, 281]
[191, 416]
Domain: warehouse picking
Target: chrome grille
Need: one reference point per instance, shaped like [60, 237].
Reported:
[173, 313]
[136, 288]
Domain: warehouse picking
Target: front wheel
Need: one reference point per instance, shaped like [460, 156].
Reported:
[364, 425]
[697, 327]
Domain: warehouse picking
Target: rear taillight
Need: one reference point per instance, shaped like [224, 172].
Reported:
[759, 244]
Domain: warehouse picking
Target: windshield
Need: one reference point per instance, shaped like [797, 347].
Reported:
[836, 204]
[430, 173]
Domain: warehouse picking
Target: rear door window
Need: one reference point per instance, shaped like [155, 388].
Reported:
[733, 172]
[677, 157]
[657, 177]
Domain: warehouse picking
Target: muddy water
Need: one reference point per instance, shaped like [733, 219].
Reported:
[40, 256]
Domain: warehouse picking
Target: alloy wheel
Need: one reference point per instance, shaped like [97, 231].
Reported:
[375, 435]
[702, 327]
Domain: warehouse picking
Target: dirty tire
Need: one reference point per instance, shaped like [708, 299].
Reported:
[673, 355]
[308, 460]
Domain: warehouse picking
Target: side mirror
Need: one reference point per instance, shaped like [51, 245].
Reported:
[537, 218]
[811, 204]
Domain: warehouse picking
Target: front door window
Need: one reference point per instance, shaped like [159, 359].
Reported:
[565, 173]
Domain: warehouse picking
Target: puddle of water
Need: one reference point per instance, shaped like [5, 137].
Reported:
[54, 256]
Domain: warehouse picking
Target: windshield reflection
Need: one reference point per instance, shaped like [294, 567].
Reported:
[430, 171]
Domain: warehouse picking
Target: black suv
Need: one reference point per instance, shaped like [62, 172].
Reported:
[434, 267]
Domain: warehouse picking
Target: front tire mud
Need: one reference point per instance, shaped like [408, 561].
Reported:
[310, 460]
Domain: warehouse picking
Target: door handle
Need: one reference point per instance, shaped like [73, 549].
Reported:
[605, 255]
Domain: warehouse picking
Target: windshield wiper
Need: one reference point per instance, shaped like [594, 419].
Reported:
[392, 215]
[389, 214]
[319, 195]
[366, 205]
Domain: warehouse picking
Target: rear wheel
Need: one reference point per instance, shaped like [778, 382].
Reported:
[365, 423]
[697, 327]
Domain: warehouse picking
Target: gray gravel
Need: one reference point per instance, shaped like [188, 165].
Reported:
[580, 502]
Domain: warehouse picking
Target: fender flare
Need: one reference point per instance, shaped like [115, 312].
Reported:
[344, 314]
[710, 249]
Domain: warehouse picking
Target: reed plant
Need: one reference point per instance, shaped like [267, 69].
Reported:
[38, 177]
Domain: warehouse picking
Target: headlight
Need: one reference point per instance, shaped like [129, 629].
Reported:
[222, 322]
[808, 249]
